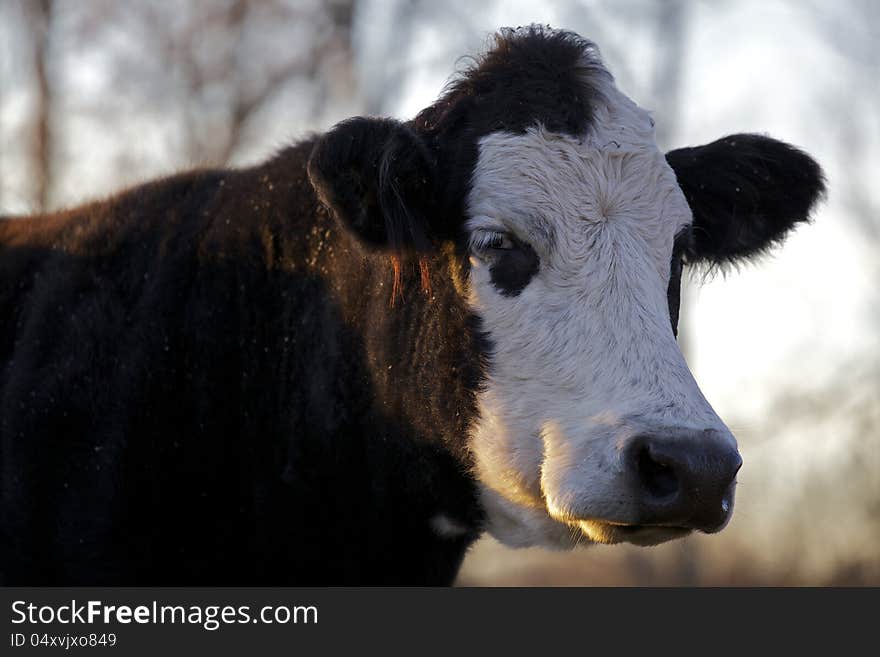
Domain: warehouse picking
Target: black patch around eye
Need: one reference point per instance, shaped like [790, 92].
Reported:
[512, 269]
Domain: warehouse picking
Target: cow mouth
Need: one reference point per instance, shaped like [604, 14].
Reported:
[601, 531]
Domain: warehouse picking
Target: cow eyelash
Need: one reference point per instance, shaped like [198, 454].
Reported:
[492, 241]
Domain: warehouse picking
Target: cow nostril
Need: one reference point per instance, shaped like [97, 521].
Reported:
[658, 478]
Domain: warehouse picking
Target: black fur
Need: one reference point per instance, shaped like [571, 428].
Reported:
[746, 193]
[532, 75]
[673, 292]
[512, 269]
[378, 177]
[681, 245]
[203, 383]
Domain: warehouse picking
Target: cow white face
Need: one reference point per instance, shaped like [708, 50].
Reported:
[590, 426]
[571, 244]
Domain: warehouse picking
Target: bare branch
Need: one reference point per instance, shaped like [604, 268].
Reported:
[40, 20]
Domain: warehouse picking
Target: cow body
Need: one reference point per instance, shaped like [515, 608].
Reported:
[195, 392]
[335, 368]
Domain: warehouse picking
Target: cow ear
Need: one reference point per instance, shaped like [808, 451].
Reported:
[746, 193]
[378, 178]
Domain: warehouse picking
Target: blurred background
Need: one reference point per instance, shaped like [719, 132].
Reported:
[99, 94]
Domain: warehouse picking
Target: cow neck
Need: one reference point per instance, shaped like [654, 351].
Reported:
[423, 351]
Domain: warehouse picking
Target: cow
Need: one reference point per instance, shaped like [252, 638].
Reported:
[345, 364]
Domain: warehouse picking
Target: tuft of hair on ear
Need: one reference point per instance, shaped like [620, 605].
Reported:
[377, 175]
[746, 193]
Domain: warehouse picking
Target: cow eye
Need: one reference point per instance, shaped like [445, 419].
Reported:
[512, 263]
[489, 242]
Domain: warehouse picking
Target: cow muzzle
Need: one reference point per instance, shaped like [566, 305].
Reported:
[664, 484]
[685, 480]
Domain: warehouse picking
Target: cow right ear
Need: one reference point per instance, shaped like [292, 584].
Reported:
[746, 192]
[377, 177]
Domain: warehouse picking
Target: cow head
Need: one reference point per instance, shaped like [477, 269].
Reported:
[575, 229]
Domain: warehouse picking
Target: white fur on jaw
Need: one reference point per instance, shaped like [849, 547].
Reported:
[587, 344]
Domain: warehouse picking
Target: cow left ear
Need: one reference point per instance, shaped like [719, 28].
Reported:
[746, 193]
[378, 178]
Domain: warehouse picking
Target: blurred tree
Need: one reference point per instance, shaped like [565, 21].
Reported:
[28, 43]
[40, 15]
[219, 64]
[169, 84]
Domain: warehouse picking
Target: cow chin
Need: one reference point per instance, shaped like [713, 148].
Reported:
[517, 525]
[600, 531]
